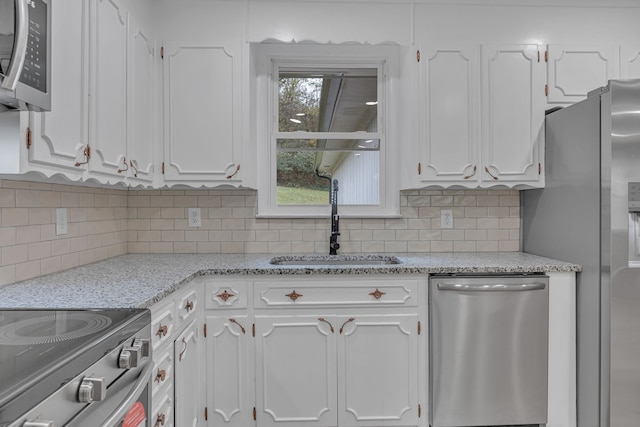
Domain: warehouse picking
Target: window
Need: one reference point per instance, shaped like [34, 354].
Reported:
[323, 120]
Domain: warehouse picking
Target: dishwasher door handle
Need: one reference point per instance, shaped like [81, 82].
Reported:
[491, 287]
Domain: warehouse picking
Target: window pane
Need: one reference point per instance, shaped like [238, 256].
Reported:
[328, 100]
[328, 144]
[298, 183]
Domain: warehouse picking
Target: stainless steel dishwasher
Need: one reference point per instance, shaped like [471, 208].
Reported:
[488, 348]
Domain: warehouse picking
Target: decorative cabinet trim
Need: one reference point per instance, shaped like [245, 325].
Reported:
[162, 326]
[336, 293]
[162, 374]
[575, 70]
[226, 295]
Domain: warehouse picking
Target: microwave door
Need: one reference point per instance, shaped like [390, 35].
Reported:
[13, 46]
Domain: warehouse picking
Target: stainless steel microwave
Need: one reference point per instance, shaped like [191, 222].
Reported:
[25, 55]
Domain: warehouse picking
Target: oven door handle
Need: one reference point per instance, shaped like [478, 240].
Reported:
[143, 381]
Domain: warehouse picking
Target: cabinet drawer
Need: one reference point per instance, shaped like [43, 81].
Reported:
[162, 412]
[162, 374]
[226, 294]
[186, 307]
[162, 325]
[336, 293]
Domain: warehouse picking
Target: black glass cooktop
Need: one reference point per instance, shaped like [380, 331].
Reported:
[43, 349]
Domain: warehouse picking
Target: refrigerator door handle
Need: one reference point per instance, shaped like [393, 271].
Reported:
[486, 287]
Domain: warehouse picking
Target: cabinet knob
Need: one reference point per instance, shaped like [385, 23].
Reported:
[162, 331]
[188, 306]
[159, 420]
[377, 294]
[160, 376]
[294, 295]
[224, 296]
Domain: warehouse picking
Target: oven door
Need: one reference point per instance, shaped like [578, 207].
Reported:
[127, 403]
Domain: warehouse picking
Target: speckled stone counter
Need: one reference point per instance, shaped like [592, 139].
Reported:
[142, 280]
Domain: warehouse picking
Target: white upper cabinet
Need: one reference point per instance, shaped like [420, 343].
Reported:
[449, 99]
[575, 70]
[202, 113]
[513, 105]
[481, 131]
[108, 93]
[60, 136]
[121, 74]
[141, 98]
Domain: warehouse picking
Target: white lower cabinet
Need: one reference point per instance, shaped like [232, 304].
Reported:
[175, 341]
[330, 370]
[186, 391]
[330, 351]
[337, 353]
[229, 379]
[296, 374]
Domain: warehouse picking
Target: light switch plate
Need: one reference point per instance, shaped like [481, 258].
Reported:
[61, 221]
[195, 219]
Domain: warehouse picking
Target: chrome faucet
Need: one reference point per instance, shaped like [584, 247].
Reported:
[335, 220]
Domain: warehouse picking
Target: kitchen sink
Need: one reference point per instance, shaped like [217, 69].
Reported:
[331, 260]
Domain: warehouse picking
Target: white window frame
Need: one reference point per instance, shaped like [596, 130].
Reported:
[266, 59]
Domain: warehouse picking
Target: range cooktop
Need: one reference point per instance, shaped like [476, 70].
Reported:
[42, 349]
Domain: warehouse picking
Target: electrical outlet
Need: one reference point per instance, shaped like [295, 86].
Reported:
[61, 221]
[446, 218]
[194, 217]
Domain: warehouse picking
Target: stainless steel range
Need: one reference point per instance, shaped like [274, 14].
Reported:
[74, 367]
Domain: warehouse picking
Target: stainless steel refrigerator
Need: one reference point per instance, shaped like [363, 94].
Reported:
[588, 213]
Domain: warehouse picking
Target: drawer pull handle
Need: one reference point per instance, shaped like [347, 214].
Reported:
[322, 319]
[188, 306]
[224, 296]
[162, 331]
[351, 319]
[160, 376]
[159, 420]
[377, 294]
[184, 341]
[236, 322]
[294, 295]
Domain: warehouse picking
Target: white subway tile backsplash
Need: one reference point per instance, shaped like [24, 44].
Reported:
[106, 222]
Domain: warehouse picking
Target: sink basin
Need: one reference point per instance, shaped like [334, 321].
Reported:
[330, 260]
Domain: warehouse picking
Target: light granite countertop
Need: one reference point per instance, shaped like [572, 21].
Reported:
[141, 280]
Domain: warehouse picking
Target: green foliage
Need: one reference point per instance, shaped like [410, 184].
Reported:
[301, 196]
[299, 100]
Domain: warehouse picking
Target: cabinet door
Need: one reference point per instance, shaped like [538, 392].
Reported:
[630, 62]
[378, 370]
[229, 377]
[449, 99]
[296, 371]
[141, 100]
[108, 95]
[202, 113]
[574, 70]
[187, 377]
[513, 105]
[60, 135]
